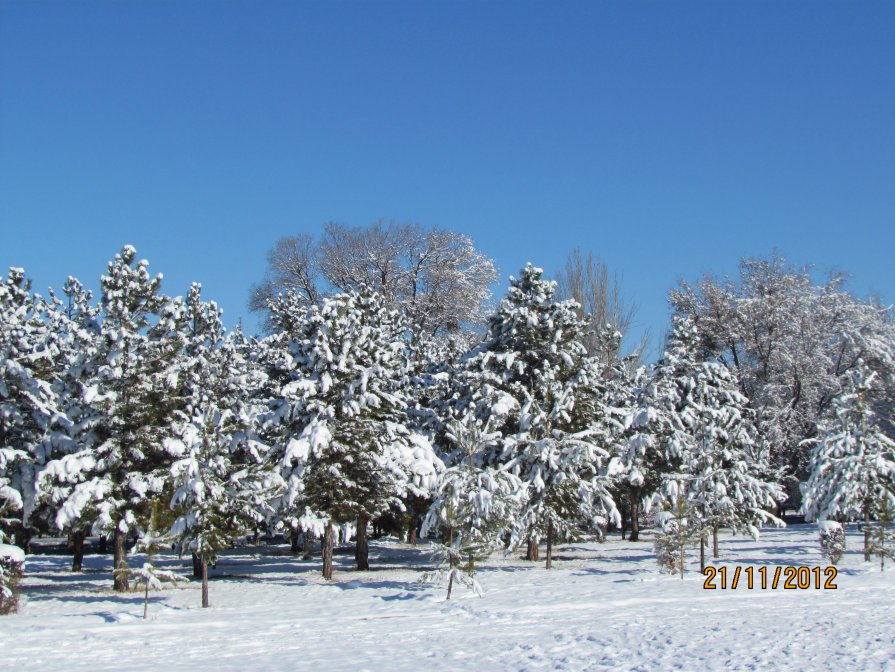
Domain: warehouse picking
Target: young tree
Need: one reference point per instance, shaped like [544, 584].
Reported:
[853, 465]
[474, 507]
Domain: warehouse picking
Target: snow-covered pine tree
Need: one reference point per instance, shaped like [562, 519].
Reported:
[853, 465]
[720, 464]
[679, 526]
[344, 444]
[74, 323]
[474, 507]
[532, 380]
[27, 401]
[220, 490]
[150, 578]
[131, 399]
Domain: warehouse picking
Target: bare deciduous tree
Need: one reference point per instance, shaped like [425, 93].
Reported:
[588, 281]
[437, 277]
[790, 342]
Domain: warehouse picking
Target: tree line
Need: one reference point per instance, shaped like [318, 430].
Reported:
[385, 392]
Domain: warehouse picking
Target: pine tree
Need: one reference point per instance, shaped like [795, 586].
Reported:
[220, 490]
[474, 506]
[27, 400]
[853, 465]
[532, 380]
[721, 466]
[74, 322]
[344, 444]
[131, 400]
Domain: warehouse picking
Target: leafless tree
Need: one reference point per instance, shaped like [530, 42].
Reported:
[588, 281]
[437, 277]
[790, 342]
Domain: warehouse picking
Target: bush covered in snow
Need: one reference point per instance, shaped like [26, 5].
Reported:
[832, 540]
[12, 564]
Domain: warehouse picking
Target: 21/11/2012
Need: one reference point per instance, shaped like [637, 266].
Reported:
[794, 578]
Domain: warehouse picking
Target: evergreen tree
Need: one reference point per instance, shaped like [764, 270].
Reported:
[533, 381]
[74, 322]
[27, 400]
[716, 462]
[131, 399]
[853, 465]
[344, 443]
[474, 506]
[220, 490]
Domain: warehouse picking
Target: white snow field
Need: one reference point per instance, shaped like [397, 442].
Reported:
[602, 607]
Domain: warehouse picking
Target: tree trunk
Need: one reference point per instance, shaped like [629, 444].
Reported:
[361, 548]
[77, 546]
[412, 536]
[715, 553]
[23, 539]
[119, 561]
[866, 533]
[683, 550]
[308, 550]
[328, 552]
[634, 494]
[533, 552]
[146, 602]
[450, 584]
[197, 566]
[204, 563]
[294, 546]
[549, 545]
[103, 544]
[702, 554]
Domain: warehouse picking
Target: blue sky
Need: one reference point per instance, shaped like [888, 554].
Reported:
[669, 138]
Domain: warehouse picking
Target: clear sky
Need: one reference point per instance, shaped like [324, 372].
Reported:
[670, 138]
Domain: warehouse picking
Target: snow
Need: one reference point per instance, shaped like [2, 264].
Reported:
[13, 553]
[602, 607]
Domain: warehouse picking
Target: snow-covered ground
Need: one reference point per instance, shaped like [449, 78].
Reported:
[603, 606]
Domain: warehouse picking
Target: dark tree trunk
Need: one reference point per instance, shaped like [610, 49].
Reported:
[412, 535]
[328, 552]
[77, 548]
[450, 584]
[103, 544]
[294, 546]
[308, 545]
[635, 494]
[23, 539]
[549, 545]
[701, 553]
[119, 560]
[866, 533]
[715, 553]
[197, 566]
[204, 571]
[533, 552]
[362, 549]
[624, 526]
